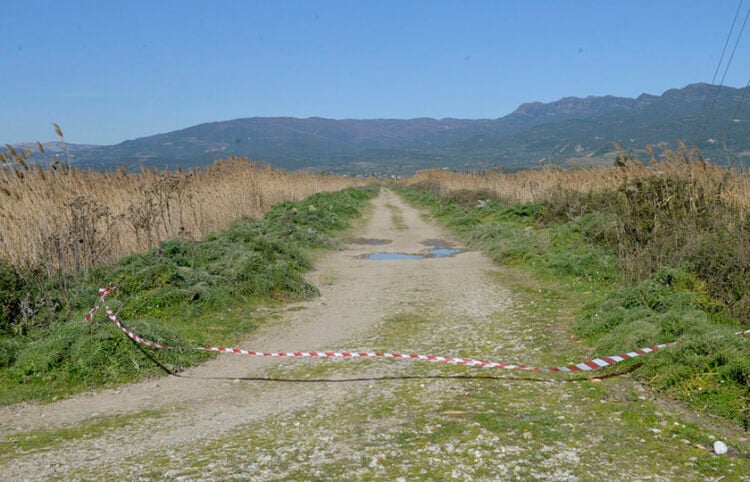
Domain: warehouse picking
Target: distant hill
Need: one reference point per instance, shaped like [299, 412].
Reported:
[568, 131]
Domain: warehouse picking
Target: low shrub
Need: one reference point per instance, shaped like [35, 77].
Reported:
[11, 295]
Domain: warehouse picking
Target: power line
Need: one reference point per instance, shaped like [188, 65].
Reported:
[742, 95]
[700, 130]
[726, 42]
[734, 49]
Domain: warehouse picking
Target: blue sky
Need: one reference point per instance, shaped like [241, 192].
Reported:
[107, 71]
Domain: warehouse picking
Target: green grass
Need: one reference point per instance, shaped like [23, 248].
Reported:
[184, 293]
[513, 235]
[709, 368]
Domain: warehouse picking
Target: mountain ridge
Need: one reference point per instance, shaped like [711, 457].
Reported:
[562, 132]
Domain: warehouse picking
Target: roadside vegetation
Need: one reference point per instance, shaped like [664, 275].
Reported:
[180, 292]
[178, 244]
[69, 220]
[658, 252]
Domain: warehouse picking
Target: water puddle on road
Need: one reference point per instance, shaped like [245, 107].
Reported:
[444, 252]
[440, 249]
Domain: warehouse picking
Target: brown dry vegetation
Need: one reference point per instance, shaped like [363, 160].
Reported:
[546, 185]
[71, 220]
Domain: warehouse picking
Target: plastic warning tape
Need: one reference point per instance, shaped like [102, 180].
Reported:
[587, 365]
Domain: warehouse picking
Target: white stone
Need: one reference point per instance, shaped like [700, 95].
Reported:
[720, 447]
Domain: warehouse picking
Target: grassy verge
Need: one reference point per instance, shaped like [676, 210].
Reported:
[709, 368]
[183, 293]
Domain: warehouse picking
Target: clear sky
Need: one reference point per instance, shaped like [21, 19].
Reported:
[109, 70]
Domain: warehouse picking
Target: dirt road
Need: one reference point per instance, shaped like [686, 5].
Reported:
[253, 418]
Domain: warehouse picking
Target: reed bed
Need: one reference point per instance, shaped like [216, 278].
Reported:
[546, 185]
[68, 220]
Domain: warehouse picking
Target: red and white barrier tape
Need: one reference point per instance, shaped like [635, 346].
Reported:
[588, 365]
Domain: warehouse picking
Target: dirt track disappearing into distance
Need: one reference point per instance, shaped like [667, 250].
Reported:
[252, 418]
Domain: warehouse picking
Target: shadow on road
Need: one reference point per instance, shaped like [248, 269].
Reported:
[509, 377]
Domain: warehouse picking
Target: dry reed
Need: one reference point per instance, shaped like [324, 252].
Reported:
[70, 220]
[545, 185]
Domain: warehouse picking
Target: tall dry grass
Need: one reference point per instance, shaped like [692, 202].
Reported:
[546, 185]
[70, 220]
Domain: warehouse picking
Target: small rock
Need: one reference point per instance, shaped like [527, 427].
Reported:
[720, 447]
[527, 435]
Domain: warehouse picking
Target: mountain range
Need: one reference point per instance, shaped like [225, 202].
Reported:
[580, 131]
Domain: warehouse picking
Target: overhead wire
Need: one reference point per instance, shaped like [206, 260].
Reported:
[742, 94]
[700, 129]
[734, 49]
[726, 42]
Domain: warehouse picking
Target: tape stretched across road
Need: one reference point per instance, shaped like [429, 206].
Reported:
[588, 365]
